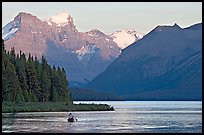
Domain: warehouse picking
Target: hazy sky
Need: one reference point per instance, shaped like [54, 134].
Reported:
[112, 16]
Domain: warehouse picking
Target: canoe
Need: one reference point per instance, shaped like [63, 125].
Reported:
[70, 119]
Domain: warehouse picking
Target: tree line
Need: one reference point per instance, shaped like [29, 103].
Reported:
[30, 80]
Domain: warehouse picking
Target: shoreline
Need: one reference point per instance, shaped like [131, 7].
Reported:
[11, 107]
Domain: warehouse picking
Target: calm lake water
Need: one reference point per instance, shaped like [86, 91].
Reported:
[128, 117]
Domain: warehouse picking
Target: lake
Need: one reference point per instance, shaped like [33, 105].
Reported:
[128, 117]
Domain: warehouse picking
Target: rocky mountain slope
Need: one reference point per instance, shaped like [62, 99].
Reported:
[83, 54]
[166, 64]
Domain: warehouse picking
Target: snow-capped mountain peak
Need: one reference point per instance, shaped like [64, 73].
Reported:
[126, 37]
[57, 38]
[60, 19]
[20, 22]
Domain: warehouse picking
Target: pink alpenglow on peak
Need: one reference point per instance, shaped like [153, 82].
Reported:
[83, 54]
[60, 19]
[126, 37]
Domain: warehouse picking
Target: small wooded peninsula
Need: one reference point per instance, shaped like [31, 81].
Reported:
[32, 85]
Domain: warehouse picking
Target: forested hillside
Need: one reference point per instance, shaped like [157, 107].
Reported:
[30, 80]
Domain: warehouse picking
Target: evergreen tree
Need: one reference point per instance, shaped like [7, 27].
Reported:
[28, 80]
[4, 82]
[54, 96]
[13, 88]
[20, 70]
[38, 68]
[59, 85]
[45, 81]
[13, 55]
[65, 85]
[4, 77]
[45, 87]
[32, 82]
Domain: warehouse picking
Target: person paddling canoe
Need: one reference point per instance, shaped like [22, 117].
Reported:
[71, 118]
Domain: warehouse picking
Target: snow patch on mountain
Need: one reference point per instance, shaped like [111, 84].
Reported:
[126, 37]
[8, 31]
[86, 52]
[60, 19]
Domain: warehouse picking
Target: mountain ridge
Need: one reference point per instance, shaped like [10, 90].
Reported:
[83, 54]
[157, 67]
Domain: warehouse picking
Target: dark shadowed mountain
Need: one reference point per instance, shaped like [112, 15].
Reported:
[166, 64]
[80, 94]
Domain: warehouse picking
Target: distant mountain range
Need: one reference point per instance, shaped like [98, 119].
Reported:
[83, 54]
[166, 64]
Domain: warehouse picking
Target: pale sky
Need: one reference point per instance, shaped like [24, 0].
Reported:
[112, 16]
